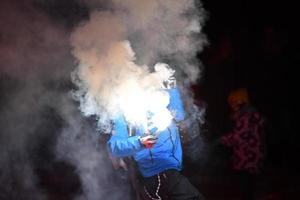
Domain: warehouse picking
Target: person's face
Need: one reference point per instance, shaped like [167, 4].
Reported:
[234, 105]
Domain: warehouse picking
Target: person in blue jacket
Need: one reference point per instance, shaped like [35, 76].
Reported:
[158, 158]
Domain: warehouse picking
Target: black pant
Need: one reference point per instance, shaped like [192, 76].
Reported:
[170, 185]
[246, 185]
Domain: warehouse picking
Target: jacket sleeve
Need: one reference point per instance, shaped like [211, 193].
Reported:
[120, 144]
[176, 106]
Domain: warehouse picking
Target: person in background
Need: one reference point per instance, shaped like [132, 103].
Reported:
[245, 139]
[158, 157]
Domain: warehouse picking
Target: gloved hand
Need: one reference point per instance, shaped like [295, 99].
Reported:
[166, 75]
[170, 83]
[148, 140]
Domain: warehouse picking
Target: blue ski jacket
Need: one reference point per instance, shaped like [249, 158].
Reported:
[165, 154]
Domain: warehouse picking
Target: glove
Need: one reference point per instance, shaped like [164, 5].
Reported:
[170, 83]
[148, 140]
[166, 75]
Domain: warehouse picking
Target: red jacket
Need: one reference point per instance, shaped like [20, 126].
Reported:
[246, 140]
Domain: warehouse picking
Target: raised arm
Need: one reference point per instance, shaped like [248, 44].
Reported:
[176, 106]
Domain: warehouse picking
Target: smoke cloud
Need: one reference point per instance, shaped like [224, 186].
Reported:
[32, 53]
[119, 45]
[100, 46]
[47, 150]
[79, 145]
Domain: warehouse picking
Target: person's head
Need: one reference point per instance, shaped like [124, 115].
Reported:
[237, 98]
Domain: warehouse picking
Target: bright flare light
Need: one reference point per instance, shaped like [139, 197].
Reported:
[146, 107]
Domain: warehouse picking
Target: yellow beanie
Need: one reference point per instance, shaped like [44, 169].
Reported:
[238, 96]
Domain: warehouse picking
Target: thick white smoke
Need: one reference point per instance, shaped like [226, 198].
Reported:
[32, 53]
[79, 145]
[118, 47]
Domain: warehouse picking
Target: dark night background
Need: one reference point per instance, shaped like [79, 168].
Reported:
[252, 44]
